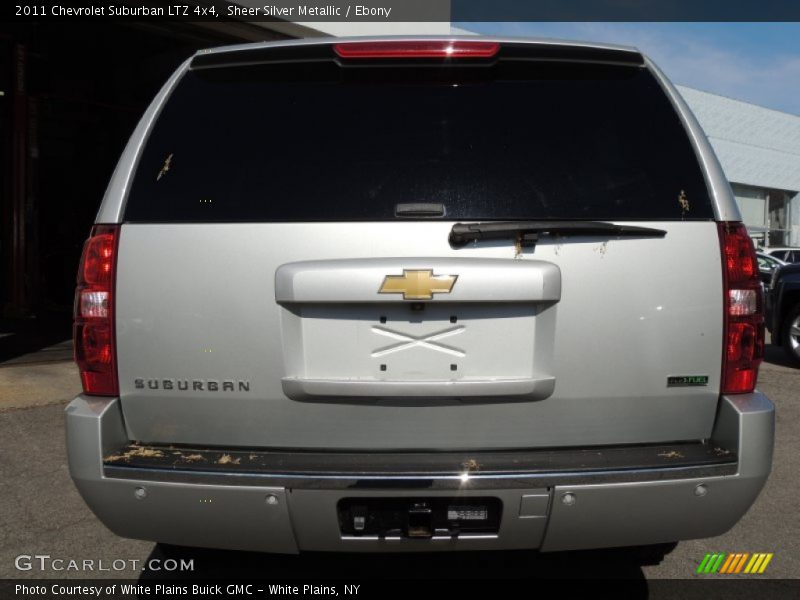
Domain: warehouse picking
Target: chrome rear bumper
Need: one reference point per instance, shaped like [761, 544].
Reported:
[552, 500]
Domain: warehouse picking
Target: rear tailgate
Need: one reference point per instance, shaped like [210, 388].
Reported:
[191, 308]
[268, 295]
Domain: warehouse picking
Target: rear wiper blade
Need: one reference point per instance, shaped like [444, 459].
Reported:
[526, 233]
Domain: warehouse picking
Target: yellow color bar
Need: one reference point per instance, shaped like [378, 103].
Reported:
[754, 562]
[765, 563]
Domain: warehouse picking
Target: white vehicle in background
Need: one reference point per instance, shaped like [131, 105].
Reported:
[767, 264]
[786, 254]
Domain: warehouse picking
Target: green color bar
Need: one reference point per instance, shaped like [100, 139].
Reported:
[718, 564]
[702, 566]
[711, 563]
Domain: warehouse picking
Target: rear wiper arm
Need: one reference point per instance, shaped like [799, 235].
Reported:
[526, 233]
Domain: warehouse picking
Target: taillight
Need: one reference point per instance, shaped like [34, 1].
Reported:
[744, 311]
[93, 331]
[418, 49]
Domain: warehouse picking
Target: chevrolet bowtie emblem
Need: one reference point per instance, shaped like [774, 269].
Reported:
[418, 285]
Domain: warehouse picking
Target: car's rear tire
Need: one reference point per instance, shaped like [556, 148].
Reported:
[790, 334]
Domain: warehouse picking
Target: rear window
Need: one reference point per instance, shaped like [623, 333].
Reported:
[322, 142]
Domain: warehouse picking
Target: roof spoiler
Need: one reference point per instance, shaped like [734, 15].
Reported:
[327, 50]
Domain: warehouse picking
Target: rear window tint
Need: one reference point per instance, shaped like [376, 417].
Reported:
[320, 142]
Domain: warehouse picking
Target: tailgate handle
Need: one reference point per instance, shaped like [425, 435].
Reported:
[361, 280]
[419, 209]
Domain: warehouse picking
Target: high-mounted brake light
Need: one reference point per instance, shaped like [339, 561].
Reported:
[93, 330]
[418, 49]
[744, 312]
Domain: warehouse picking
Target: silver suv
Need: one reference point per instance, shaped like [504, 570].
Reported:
[419, 294]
